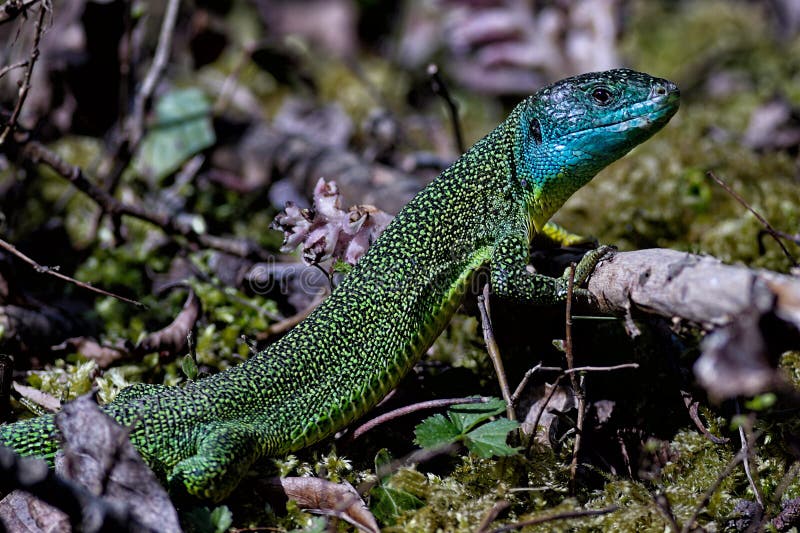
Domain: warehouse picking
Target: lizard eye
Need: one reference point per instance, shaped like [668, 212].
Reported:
[536, 131]
[602, 96]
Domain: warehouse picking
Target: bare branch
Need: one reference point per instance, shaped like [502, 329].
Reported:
[145, 92]
[13, 8]
[494, 351]
[408, 409]
[8, 68]
[767, 226]
[53, 271]
[26, 80]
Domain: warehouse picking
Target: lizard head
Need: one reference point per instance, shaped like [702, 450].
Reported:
[567, 132]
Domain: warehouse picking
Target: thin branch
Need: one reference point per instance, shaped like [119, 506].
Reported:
[695, 416]
[576, 379]
[492, 514]
[611, 368]
[664, 507]
[494, 351]
[26, 80]
[440, 88]
[745, 436]
[408, 409]
[230, 84]
[558, 516]
[8, 68]
[547, 399]
[779, 521]
[13, 8]
[53, 271]
[145, 92]
[37, 153]
[772, 231]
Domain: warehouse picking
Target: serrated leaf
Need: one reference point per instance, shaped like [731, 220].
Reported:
[468, 415]
[490, 439]
[388, 503]
[435, 431]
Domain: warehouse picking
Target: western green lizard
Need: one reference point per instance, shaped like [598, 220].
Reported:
[354, 348]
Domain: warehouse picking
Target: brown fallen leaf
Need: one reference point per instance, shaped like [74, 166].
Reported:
[172, 339]
[325, 497]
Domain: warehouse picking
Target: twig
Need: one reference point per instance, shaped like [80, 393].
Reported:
[13, 8]
[8, 68]
[494, 351]
[408, 409]
[788, 513]
[732, 464]
[772, 231]
[136, 124]
[26, 80]
[547, 399]
[37, 153]
[229, 85]
[440, 88]
[664, 507]
[695, 416]
[577, 369]
[523, 382]
[747, 448]
[558, 516]
[53, 271]
[491, 515]
[576, 379]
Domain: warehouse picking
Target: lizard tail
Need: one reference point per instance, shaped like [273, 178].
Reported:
[33, 437]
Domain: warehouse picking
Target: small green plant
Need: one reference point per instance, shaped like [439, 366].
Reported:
[464, 423]
[389, 502]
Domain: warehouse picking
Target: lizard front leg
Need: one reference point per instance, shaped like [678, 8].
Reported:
[511, 279]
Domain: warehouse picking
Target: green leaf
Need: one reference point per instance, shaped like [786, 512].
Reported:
[388, 503]
[468, 415]
[761, 402]
[189, 367]
[183, 129]
[341, 267]
[436, 431]
[383, 458]
[222, 518]
[490, 439]
[201, 520]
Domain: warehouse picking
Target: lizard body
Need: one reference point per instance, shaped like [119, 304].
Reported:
[355, 347]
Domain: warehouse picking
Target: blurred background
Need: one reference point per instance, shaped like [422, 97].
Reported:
[194, 122]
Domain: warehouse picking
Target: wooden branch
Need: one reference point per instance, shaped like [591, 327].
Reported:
[13, 8]
[754, 315]
[145, 92]
[700, 289]
[26, 80]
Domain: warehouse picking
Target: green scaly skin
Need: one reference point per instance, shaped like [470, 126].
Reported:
[352, 350]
